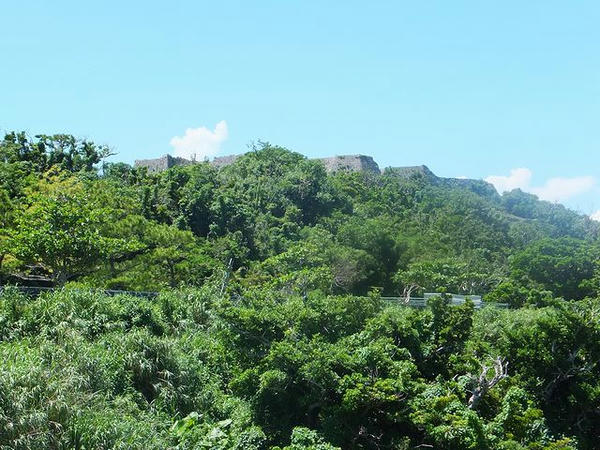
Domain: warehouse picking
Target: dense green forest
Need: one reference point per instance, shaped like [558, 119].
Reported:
[269, 329]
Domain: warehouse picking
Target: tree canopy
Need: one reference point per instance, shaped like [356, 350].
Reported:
[264, 322]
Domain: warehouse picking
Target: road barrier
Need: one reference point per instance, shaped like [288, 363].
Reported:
[37, 290]
[414, 302]
[421, 302]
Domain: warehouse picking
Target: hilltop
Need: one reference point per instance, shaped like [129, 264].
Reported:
[268, 326]
[353, 163]
[332, 164]
[351, 226]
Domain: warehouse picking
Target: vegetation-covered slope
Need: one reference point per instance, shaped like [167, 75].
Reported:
[280, 220]
[191, 369]
[269, 329]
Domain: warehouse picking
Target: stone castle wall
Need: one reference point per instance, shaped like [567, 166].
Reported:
[163, 163]
[153, 165]
[351, 163]
[411, 172]
[222, 161]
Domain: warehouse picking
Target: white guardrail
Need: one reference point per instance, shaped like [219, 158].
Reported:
[453, 299]
[415, 302]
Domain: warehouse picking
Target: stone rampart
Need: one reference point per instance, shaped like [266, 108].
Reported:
[163, 163]
[350, 163]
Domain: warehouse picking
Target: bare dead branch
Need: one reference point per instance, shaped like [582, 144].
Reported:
[483, 384]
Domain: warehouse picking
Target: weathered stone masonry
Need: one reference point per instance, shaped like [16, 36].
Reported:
[350, 163]
[163, 163]
[353, 163]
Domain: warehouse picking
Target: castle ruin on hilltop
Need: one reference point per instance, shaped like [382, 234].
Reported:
[347, 163]
[163, 163]
[351, 163]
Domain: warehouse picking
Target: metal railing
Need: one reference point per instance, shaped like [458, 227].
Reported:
[414, 302]
[37, 290]
[421, 302]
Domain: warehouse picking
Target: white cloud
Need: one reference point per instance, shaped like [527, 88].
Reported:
[199, 143]
[518, 178]
[556, 189]
[561, 189]
[595, 216]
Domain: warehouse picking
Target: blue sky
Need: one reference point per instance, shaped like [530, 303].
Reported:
[473, 89]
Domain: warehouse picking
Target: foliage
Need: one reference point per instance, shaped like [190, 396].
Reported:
[265, 326]
[191, 369]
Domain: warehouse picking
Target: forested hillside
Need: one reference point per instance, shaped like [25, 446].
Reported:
[278, 220]
[269, 330]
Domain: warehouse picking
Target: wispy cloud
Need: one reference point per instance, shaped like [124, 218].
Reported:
[518, 179]
[200, 143]
[557, 189]
[595, 216]
[561, 189]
